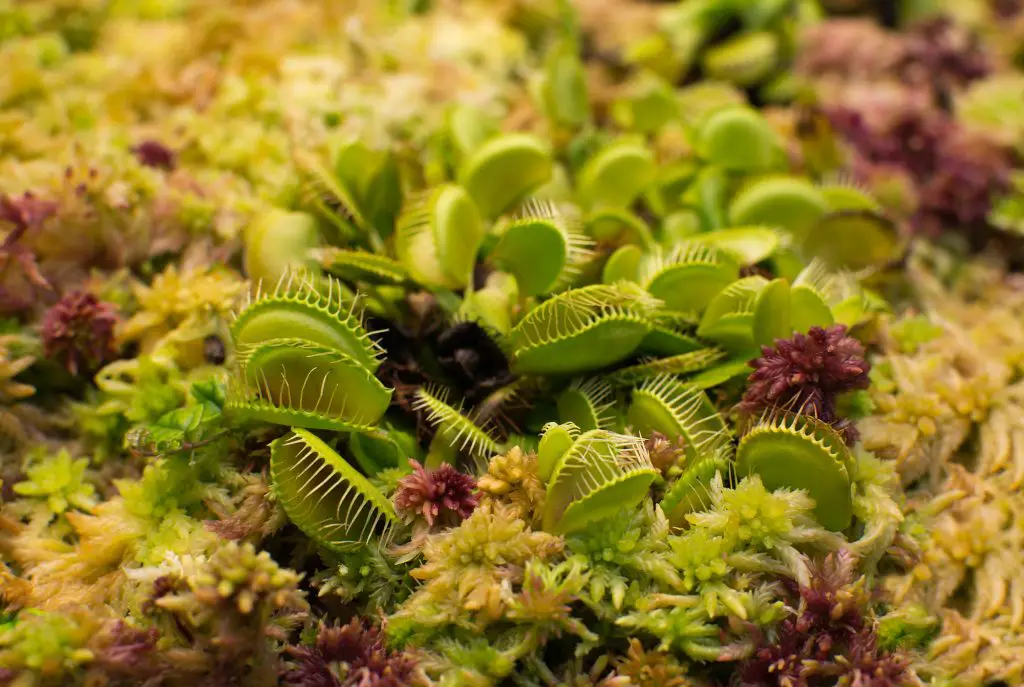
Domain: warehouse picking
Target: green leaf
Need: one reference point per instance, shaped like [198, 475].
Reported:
[739, 139]
[564, 87]
[504, 170]
[779, 201]
[616, 175]
[622, 265]
[773, 313]
[854, 240]
[211, 394]
[745, 60]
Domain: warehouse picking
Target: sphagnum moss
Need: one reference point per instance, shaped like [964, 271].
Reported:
[485, 343]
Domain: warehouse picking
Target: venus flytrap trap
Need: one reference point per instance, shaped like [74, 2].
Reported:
[681, 364]
[594, 477]
[538, 248]
[800, 453]
[457, 434]
[325, 496]
[436, 237]
[321, 376]
[351, 196]
[504, 170]
[587, 405]
[688, 276]
[583, 329]
[279, 242]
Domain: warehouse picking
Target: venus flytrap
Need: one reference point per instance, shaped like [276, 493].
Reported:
[457, 434]
[690, 491]
[279, 242]
[729, 318]
[672, 334]
[581, 330]
[738, 139]
[321, 376]
[797, 452]
[599, 473]
[561, 88]
[668, 405]
[362, 266]
[681, 364]
[616, 175]
[505, 170]
[495, 305]
[587, 404]
[791, 203]
[538, 247]
[688, 276]
[436, 236]
[352, 194]
[325, 496]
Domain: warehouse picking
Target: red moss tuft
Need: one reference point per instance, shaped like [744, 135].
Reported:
[155, 154]
[78, 332]
[829, 639]
[941, 52]
[443, 496]
[968, 175]
[22, 215]
[359, 648]
[806, 373]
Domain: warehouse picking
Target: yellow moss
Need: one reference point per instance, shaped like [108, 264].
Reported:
[181, 309]
[88, 572]
[512, 479]
[464, 568]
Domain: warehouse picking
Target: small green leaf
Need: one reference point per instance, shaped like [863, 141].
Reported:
[729, 318]
[504, 170]
[854, 240]
[779, 201]
[747, 245]
[745, 60]
[773, 313]
[623, 265]
[279, 242]
[739, 139]
[615, 176]
[211, 394]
